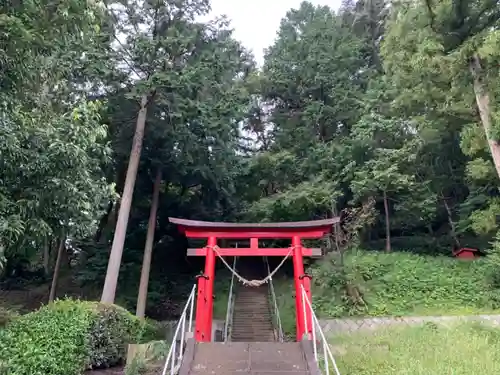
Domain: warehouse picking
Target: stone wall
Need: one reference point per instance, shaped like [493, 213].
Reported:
[333, 326]
[171, 325]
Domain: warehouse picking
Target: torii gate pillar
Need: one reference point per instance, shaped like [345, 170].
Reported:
[212, 231]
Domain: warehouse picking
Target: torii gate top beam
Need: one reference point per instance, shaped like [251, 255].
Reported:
[296, 231]
[302, 229]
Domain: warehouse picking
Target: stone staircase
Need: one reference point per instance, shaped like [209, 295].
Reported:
[252, 318]
[253, 349]
[255, 358]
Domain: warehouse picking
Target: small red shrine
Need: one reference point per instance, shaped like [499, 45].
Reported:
[467, 253]
[213, 231]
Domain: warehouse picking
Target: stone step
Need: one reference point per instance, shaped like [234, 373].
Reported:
[246, 307]
[252, 318]
[253, 300]
[238, 325]
[263, 313]
[251, 303]
[251, 329]
[252, 335]
[250, 323]
[249, 358]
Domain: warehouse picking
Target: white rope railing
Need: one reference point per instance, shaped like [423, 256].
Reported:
[276, 311]
[230, 303]
[176, 351]
[327, 356]
[244, 281]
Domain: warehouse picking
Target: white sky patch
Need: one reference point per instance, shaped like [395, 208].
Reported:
[256, 22]
[255, 25]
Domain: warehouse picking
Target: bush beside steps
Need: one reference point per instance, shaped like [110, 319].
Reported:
[68, 337]
[6, 316]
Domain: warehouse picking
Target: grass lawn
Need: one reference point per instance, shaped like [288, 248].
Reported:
[426, 350]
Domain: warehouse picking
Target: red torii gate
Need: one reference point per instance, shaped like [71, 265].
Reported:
[212, 231]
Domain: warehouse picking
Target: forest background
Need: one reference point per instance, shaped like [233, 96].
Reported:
[383, 114]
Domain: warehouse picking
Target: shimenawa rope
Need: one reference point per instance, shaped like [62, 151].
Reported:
[241, 279]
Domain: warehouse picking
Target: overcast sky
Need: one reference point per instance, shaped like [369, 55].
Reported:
[256, 22]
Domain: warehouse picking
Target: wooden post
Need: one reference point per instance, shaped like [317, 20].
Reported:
[204, 302]
[200, 323]
[210, 272]
[298, 271]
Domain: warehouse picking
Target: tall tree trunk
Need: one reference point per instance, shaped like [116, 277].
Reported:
[57, 268]
[115, 256]
[483, 103]
[387, 224]
[450, 221]
[148, 249]
[46, 257]
[104, 222]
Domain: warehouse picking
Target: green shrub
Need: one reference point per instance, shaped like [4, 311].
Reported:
[111, 329]
[402, 284]
[422, 245]
[6, 316]
[67, 337]
[50, 341]
[152, 330]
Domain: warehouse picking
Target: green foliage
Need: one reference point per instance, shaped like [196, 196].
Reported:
[52, 177]
[373, 103]
[284, 289]
[422, 245]
[462, 349]
[377, 284]
[308, 82]
[6, 316]
[53, 340]
[494, 260]
[67, 337]
[53, 142]
[148, 359]
[222, 285]
[485, 221]
[111, 330]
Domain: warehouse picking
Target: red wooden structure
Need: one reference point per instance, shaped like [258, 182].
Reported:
[212, 231]
[467, 253]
